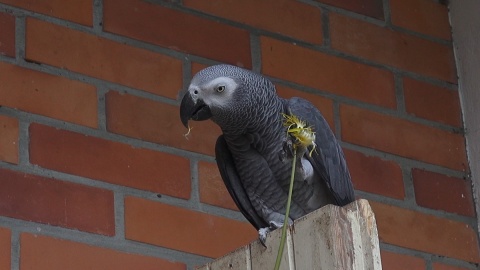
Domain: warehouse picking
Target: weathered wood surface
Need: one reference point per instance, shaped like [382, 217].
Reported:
[330, 238]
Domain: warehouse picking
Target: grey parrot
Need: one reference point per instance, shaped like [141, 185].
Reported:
[254, 153]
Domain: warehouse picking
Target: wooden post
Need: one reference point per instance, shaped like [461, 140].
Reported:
[330, 238]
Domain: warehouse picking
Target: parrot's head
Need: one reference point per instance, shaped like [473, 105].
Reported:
[229, 95]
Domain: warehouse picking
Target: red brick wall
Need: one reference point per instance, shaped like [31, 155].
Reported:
[95, 171]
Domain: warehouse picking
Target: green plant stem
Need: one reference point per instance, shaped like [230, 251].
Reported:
[287, 212]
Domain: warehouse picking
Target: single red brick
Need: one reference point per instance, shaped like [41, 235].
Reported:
[48, 95]
[196, 67]
[7, 35]
[51, 201]
[428, 233]
[441, 266]
[158, 122]
[102, 58]
[185, 230]
[375, 175]
[41, 252]
[211, 187]
[109, 161]
[159, 25]
[324, 105]
[8, 138]
[423, 16]
[5, 248]
[402, 137]
[328, 73]
[291, 18]
[388, 47]
[78, 11]
[371, 8]
[395, 261]
[438, 191]
[432, 102]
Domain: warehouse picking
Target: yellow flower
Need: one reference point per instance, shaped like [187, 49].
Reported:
[301, 131]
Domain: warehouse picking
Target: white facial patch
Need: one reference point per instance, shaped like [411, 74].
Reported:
[218, 91]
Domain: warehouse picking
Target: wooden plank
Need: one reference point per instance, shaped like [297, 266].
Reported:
[238, 259]
[265, 257]
[368, 251]
[337, 238]
[312, 234]
[330, 238]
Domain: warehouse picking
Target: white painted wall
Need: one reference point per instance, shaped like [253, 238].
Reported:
[465, 20]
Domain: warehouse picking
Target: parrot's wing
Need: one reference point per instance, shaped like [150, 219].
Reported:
[231, 179]
[327, 159]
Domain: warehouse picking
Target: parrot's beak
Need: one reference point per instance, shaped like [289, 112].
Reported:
[195, 110]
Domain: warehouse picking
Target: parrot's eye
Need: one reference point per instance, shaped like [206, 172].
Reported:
[220, 88]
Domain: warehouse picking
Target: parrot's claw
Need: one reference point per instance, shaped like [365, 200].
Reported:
[275, 225]
[262, 235]
[263, 232]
